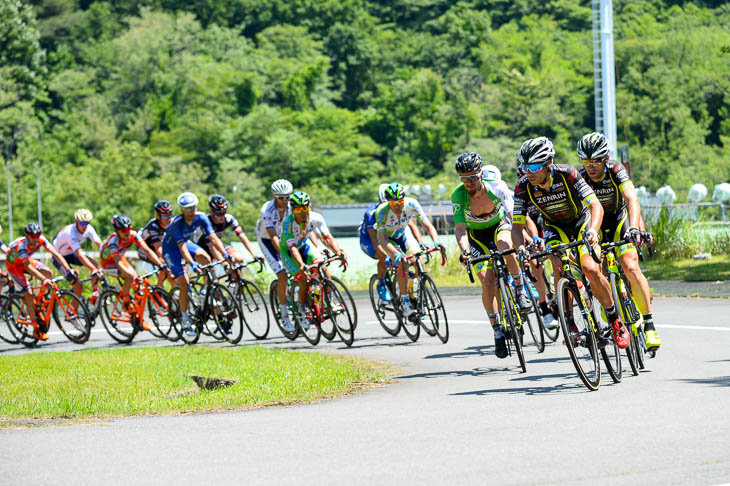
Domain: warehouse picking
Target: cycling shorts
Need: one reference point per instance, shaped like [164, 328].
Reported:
[271, 255]
[19, 276]
[109, 267]
[558, 234]
[71, 259]
[309, 253]
[481, 239]
[614, 228]
[174, 259]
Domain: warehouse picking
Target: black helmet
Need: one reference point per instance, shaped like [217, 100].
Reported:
[468, 162]
[121, 221]
[536, 150]
[163, 207]
[592, 146]
[33, 229]
[218, 203]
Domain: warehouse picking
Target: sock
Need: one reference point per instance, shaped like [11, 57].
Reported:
[284, 310]
[544, 308]
[405, 299]
[517, 279]
[648, 322]
[494, 320]
[611, 313]
[184, 315]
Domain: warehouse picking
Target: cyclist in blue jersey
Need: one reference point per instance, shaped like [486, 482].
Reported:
[176, 247]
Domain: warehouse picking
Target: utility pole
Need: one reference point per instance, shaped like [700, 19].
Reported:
[604, 71]
[38, 185]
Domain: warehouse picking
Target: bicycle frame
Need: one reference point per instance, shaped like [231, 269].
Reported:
[500, 272]
[315, 278]
[44, 308]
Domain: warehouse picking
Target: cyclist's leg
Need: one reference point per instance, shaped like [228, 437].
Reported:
[128, 274]
[555, 235]
[293, 268]
[366, 245]
[235, 256]
[408, 245]
[273, 258]
[173, 259]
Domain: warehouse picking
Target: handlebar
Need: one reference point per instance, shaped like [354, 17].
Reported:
[492, 255]
[251, 262]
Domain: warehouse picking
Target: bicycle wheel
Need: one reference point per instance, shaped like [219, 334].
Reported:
[117, 322]
[580, 340]
[276, 310]
[435, 309]
[18, 321]
[638, 333]
[157, 310]
[227, 314]
[381, 309]
[72, 316]
[339, 313]
[553, 333]
[536, 325]
[253, 304]
[606, 342]
[310, 330]
[349, 301]
[619, 300]
[513, 322]
[7, 331]
[410, 325]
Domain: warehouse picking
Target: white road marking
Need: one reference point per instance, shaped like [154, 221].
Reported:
[662, 326]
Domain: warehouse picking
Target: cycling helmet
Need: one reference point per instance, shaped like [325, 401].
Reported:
[394, 192]
[381, 192]
[281, 186]
[299, 199]
[121, 221]
[83, 215]
[592, 146]
[468, 162]
[520, 171]
[163, 207]
[218, 203]
[536, 151]
[492, 173]
[187, 200]
[33, 229]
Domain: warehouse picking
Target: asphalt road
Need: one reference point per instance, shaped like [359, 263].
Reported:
[455, 415]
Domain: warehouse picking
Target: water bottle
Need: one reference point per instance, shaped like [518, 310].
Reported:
[94, 297]
[315, 292]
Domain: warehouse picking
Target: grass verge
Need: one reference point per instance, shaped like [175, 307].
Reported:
[718, 268]
[150, 381]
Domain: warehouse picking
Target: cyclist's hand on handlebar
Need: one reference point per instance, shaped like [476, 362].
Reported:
[540, 242]
[196, 267]
[464, 257]
[97, 273]
[424, 246]
[259, 260]
[46, 281]
[634, 234]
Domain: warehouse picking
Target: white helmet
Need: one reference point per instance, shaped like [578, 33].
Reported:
[187, 200]
[282, 186]
[491, 173]
[381, 192]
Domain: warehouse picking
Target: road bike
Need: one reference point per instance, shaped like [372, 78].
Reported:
[425, 298]
[250, 298]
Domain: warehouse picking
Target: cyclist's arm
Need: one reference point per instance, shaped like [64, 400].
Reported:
[217, 245]
[329, 240]
[274, 238]
[531, 227]
[462, 239]
[430, 229]
[517, 239]
[294, 253]
[416, 231]
[379, 251]
[247, 243]
[596, 210]
[84, 259]
[183, 246]
[58, 257]
[632, 203]
[150, 253]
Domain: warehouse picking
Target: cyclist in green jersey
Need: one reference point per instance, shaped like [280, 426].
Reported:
[482, 212]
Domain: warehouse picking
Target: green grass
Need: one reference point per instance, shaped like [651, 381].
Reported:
[718, 268]
[142, 381]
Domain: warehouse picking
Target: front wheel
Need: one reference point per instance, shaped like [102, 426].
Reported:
[513, 322]
[382, 308]
[536, 325]
[306, 324]
[339, 313]
[349, 301]
[7, 330]
[227, 314]
[72, 316]
[435, 308]
[18, 321]
[253, 303]
[117, 321]
[276, 310]
[620, 301]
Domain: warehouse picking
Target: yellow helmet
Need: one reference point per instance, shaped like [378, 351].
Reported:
[83, 215]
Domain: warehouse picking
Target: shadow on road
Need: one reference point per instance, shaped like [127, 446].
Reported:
[717, 381]
[468, 352]
[550, 360]
[472, 372]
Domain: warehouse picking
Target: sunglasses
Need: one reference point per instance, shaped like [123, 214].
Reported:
[166, 216]
[282, 198]
[218, 214]
[189, 210]
[533, 168]
[592, 162]
[83, 223]
[124, 230]
[397, 203]
[34, 236]
[471, 178]
[300, 209]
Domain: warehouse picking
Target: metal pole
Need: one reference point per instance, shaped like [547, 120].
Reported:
[608, 75]
[10, 199]
[38, 184]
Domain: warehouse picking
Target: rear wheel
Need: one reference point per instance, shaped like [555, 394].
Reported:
[276, 310]
[535, 323]
[253, 304]
[72, 317]
[383, 309]
[411, 325]
[227, 314]
[116, 320]
[349, 301]
[7, 329]
[513, 321]
[158, 311]
[339, 312]
[580, 340]
[435, 310]
[620, 300]
[307, 327]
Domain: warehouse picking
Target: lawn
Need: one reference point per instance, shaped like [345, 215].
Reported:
[718, 268]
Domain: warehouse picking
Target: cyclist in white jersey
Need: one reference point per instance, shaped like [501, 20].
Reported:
[268, 233]
[68, 243]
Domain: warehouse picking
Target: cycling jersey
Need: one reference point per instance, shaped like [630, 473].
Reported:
[68, 240]
[562, 203]
[20, 251]
[179, 231]
[220, 229]
[292, 233]
[497, 191]
[113, 246]
[368, 222]
[608, 189]
[387, 221]
[269, 218]
[152, 232]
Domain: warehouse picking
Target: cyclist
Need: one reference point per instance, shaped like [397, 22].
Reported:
[268, 231]
[153, 232]
[68, 243]
[296, 248]
[482, 210]
[370, 245]
[621, 218]
[176, 247]
[19, 262]
[221, 220]
[391, 223]
[4, 278]
[569, 206]
[115, 263]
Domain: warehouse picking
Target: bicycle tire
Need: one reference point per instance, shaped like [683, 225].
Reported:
[312, 333]
[554, 333]
[380, 308]
[620, 301]
[513, 320]
[157, 309]
[9, 335]
[276, 311]
[119, 327]
[610, 352]
[537, 329]
[227, 314]
[581, 345]
[347, 296]
[641, 345]
[412, 326]
[339, 313]
[253, 303]
[434, 305]
[78, 328]
[18, 321]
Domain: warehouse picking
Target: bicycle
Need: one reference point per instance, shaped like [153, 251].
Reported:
[382, 307]
[49, 299]
[124, 323]
[547, 276]
[276, 310]
[510, 316]
[583, 333]
[324, 302]
[537, 329]
[251, 299]
[210, 301]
